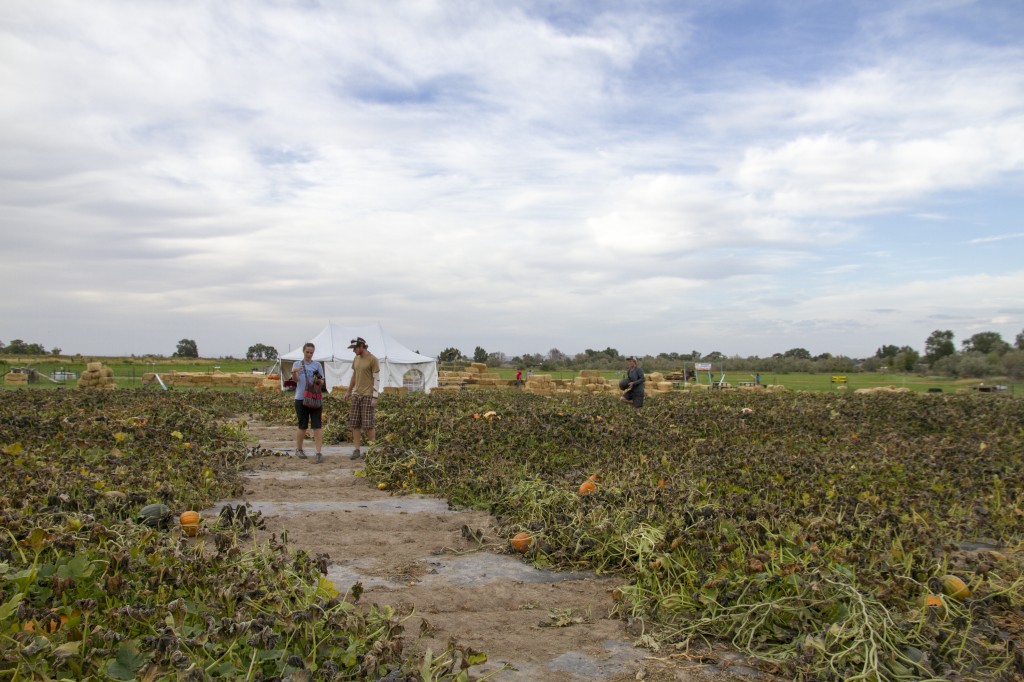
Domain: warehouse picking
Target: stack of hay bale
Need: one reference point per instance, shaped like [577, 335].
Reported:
[591, 381]
[452, 375]
[477, 375]
[268, 382]
[96, 376]
[540, 384]
[656, 384]
[16, 378]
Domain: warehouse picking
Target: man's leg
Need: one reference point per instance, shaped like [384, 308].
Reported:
[357, 440]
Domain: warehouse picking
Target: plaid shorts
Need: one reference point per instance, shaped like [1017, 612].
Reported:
[360, 415]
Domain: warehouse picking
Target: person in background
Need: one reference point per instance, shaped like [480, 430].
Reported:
[363, 389]
[634, 392]
[306, 372]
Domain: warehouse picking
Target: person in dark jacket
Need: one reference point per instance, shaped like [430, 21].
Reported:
[634, 391]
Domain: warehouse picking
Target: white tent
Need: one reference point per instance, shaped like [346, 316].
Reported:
[399, 366]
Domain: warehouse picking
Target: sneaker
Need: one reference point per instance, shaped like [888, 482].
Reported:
[300, 454]
[319, 457]
[356, 454]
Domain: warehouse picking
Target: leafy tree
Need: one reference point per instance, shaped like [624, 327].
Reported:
[261, 351]
[450, 355]
[1013, 364]
[887, 352]
[479, 354]
[797, 353]
[938, 346]
[1019, 342]
[19, 347]
[905, 359]
[186, 349]
[55, 351]
[985, 343]
[555, 355]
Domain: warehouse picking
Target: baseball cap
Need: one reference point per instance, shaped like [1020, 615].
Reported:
[358, 341]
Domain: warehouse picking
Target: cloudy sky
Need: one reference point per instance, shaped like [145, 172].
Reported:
[741, 176]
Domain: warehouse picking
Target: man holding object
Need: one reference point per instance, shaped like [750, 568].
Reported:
[363, 390]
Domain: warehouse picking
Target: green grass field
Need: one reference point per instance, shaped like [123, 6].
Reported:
[128, 374]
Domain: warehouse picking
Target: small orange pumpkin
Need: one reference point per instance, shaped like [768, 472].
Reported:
[587, 487]
[931, 600]
[190, 523]
[521, 542]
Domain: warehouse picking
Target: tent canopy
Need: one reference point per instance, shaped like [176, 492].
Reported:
[399, 366]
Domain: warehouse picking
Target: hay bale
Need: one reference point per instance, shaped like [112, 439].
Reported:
[94, 366]
[396, 389]
[16, 378]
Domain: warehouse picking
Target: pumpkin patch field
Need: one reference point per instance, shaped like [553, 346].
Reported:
[833, 537]
[107, 572]
[852, 537]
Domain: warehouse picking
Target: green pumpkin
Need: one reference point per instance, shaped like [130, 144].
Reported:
[154, 515]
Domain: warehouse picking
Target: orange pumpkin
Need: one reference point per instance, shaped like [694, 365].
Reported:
[932, 600]
[190, 523]
[587, 487]
[521, 542]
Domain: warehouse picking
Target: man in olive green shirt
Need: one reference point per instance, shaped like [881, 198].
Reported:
[363, 389]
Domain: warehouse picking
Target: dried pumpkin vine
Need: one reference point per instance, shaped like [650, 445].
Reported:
[89, 589]
[834, 537]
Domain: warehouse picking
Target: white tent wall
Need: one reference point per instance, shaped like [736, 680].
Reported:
[395, 359]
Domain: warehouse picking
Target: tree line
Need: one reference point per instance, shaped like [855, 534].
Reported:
[982, 355]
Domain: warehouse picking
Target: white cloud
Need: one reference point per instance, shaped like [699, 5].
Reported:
[481, 172]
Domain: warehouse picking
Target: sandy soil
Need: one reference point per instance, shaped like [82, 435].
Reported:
[456, 577]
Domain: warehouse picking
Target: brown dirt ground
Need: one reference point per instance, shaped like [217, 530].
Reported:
[415, 554]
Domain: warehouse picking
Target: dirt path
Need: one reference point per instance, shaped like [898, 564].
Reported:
[415, 554]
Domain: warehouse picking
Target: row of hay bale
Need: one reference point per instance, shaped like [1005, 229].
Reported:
[220, 379]
[96, 376]
[591, 381]
[474, 374]
[882, 389]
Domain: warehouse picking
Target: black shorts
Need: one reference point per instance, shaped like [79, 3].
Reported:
[307, 417]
